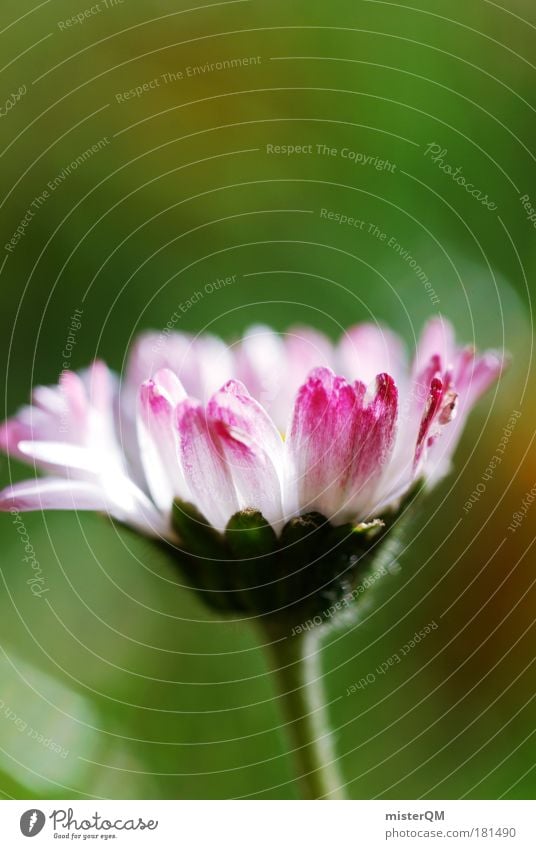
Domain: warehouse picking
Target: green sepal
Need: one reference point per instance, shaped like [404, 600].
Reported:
[303, 532]
[302, 573]
[249, 535]
[196, 534]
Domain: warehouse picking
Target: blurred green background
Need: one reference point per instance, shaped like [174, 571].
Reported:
[121, 684]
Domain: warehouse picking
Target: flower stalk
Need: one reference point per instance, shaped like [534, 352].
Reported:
[297, 671]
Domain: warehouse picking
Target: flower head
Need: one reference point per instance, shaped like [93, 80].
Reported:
[274, 427]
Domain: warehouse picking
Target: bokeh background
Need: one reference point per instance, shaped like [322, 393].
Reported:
[117, 683]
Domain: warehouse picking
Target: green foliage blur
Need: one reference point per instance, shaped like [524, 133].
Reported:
[117, 683]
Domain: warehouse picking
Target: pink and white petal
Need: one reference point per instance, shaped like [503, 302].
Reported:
[215, 364]
[181, 358]
[320, 441]
[169, 385]
[262, 366]
[431, 410]
[153, 351]
[148, 354]
[306, 349]
[424, 423]
[125, 425]
[52, 494]
[100, 385]
[252, 449]
[31, 423]
[420, 390]
[14, 430]
[202, 364]
[242, 414]
[100, 435]
[49, 399]
[369, 349]
[436, 340]
[63, 457]
[255, 479]
[58, 414]
[79, 464]
[157, 438]
[373, 441]
[126, 502]
[76, 408]
[203, 465]
[106, 473]
[274, 366]
[376, 429]
[473, 374]
[63, 494]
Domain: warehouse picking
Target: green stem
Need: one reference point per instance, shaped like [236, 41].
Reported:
[296, 667]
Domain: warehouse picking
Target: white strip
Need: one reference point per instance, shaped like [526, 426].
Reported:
[265, 824]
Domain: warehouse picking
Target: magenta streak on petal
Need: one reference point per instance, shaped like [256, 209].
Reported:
[12, 432]
[168, 384]
[252, 449]
[374, 441]
[421, 386]
[158, 439]
[202, 460]
[305, 443]
[323, 438]
[432, 406]
[381, 423]
[436, 339]
[338, 458]
[246, 418]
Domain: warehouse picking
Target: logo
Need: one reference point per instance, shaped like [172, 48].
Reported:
[31, 822]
